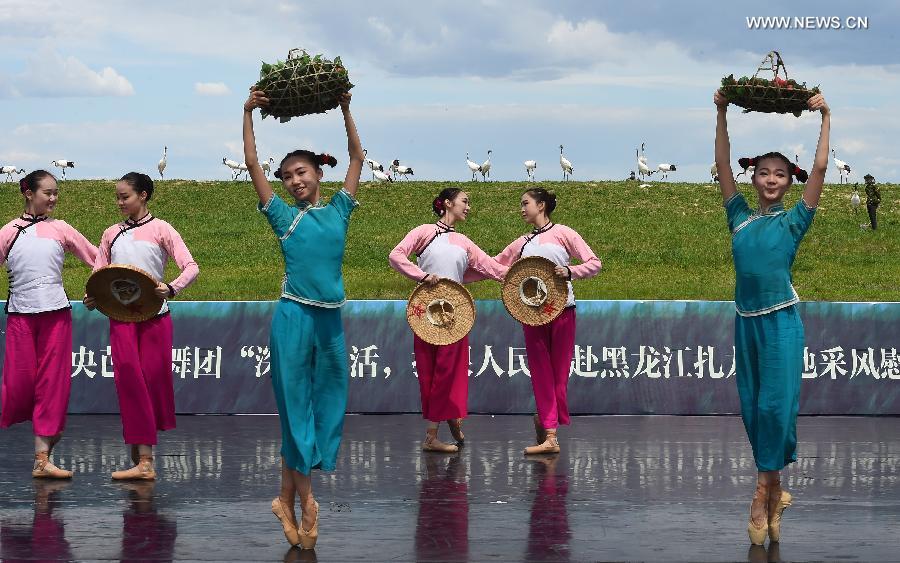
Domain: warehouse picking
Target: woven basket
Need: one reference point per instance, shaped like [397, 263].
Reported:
[532, 292]
[776, 95]
[124, 293]
[442, 313]
[302, 85]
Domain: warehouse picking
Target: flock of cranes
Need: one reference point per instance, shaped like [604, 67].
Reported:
[397, 171]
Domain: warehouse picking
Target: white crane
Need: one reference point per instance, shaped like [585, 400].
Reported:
[714, 172]
[161, 165]
[854, 199]
[665, 168]
[373, 164]
[486, 167]
[400, 169]
[474, 168]
[236, 167]
[381, 177]
[643, 169]
[63, 164]
[266, 165]
[564, 163]
[530, 165]
[10, 170]
[841, 166]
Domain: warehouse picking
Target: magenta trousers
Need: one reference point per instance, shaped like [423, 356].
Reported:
[37, 370]
[550, 348]
[443, 378]
[142, 369]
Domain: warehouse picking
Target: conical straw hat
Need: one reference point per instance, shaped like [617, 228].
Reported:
[532, 293]
[124, 293]
[442, 313]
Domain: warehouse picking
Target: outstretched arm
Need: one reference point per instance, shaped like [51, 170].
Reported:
[813, 189]
[256, 99]
[354, 147]
[723, 148]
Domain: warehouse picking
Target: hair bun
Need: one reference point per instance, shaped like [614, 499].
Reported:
[326, 158]
[745, 162]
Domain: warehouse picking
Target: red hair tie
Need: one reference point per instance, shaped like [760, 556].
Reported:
[439, 203]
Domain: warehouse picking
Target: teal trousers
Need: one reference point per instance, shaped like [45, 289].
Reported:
[768, 353]
[309, 376]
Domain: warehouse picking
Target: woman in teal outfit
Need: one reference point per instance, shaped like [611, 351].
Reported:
[308, 357]
[768, 333]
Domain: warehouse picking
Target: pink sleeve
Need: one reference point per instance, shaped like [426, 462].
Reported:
[7, 233]
[176, 248]
[511, 253]
[102, 259]
[78, 245]
[482, 266]
[411, 243]
[576, 247]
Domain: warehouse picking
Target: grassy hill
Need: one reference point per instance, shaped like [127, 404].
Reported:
[668, 241]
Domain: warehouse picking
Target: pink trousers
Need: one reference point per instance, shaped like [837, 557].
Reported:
[443, 378]
[550, 348]
[37, 370]
[142, 369]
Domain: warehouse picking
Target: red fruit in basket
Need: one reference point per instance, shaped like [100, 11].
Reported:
[779, 81]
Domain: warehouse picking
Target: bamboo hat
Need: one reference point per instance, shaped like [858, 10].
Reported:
[532, 292]
[124, 293]
[442, 313]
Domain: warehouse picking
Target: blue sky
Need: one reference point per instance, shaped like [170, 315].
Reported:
[108, 84]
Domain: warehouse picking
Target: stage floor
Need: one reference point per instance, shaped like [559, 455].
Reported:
[623, 488]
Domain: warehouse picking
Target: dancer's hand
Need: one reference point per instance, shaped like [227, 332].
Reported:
[345, 101]
[161, 290]
[720, 100]
[818, 103]
[431, 279]
[257, 99]
[561, 272]
[89, 302]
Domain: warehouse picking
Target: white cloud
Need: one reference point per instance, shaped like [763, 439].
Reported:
[51, 75]
[211, 89]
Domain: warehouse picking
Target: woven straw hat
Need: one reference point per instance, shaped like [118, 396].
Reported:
[442, 313]
[532, 292]
[124, 293]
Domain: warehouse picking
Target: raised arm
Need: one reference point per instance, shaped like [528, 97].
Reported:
[261, 184]
[354, 147]
[813, 189]
[723, 148]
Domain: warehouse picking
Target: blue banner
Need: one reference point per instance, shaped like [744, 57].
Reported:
[631, 357]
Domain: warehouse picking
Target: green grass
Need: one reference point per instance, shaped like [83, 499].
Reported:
[669, 241]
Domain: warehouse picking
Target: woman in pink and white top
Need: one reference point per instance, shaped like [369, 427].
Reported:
[444, 253]
[37, 367]
[550, 347]
[142, 351]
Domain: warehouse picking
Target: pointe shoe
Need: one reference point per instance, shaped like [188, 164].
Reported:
[455, 425]
[143, 471]
[779, 500]
[540, 435]
[308, 539]
[758, 534]
[43, 469]
[291, 532]
[432, 444]
[548, 446]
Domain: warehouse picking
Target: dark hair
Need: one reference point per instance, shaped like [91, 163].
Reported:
[541, 195]
[139, 182]
[31, 181]
[438, 204]
[317, 160]
[795, 170]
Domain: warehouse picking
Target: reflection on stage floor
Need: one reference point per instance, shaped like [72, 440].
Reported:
[623, 488]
